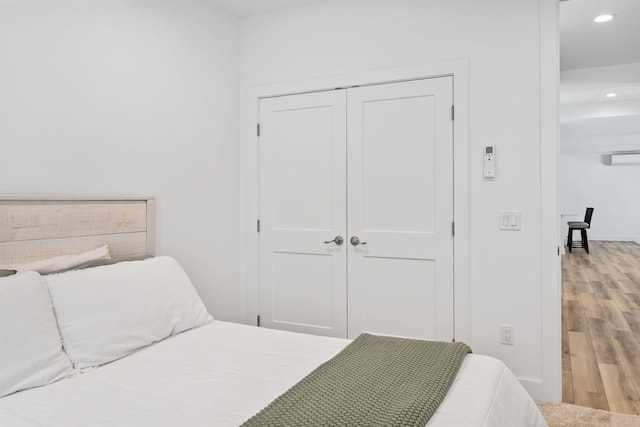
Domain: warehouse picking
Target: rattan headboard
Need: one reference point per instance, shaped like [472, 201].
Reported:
[39, 227]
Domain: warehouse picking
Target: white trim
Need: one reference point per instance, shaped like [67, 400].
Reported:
[550, 388]
[459, 69]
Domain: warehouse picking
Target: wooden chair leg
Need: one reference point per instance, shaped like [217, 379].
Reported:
[585, 242]
[570, 239]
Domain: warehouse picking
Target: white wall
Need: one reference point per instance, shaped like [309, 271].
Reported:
[588, 180]
[140, 97]
[132, 97]
[501, 39]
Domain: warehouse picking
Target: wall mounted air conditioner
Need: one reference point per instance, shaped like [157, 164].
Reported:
[625, 159]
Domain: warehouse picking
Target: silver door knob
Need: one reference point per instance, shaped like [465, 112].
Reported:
[355, 241]
[338, 240]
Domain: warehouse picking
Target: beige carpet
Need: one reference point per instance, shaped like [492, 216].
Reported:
[565, 415]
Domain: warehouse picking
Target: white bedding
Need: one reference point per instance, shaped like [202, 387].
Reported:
[223, 373]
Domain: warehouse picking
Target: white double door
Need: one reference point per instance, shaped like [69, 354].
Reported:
[374, 164]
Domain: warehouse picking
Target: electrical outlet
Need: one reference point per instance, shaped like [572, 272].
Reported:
[506, 334]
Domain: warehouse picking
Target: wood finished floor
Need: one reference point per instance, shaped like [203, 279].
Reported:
[601, 327]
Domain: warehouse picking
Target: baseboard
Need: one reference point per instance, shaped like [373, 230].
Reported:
[614, 238]
[539, 391]
[604, 238]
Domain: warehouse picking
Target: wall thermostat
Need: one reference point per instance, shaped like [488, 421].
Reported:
[489, 166]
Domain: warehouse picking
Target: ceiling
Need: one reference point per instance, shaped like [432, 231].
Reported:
[584, 43]
[597, 59]
[247, 8]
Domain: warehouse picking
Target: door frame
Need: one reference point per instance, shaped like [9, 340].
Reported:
[459, 70]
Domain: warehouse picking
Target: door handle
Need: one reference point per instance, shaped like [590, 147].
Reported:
[355, 241]
[338, 240]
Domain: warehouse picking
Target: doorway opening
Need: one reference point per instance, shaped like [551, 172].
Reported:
[600, 130]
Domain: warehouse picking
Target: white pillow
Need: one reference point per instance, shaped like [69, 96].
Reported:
[63, 262]
[108, 312]
[31, 352]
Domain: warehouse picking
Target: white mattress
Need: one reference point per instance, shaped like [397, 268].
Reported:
[223, 373]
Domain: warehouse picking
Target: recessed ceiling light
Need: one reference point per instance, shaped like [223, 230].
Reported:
[611, 95]
[603, 18]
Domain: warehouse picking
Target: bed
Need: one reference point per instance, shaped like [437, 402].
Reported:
[191, 370]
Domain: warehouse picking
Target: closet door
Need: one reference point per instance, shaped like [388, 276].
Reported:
[302, 154]
[400, 201]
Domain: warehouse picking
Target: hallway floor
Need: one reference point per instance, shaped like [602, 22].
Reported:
[601, 327]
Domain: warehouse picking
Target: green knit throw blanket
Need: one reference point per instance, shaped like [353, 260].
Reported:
[374, 381]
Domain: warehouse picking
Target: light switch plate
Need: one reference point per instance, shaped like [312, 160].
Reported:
[509, 220]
